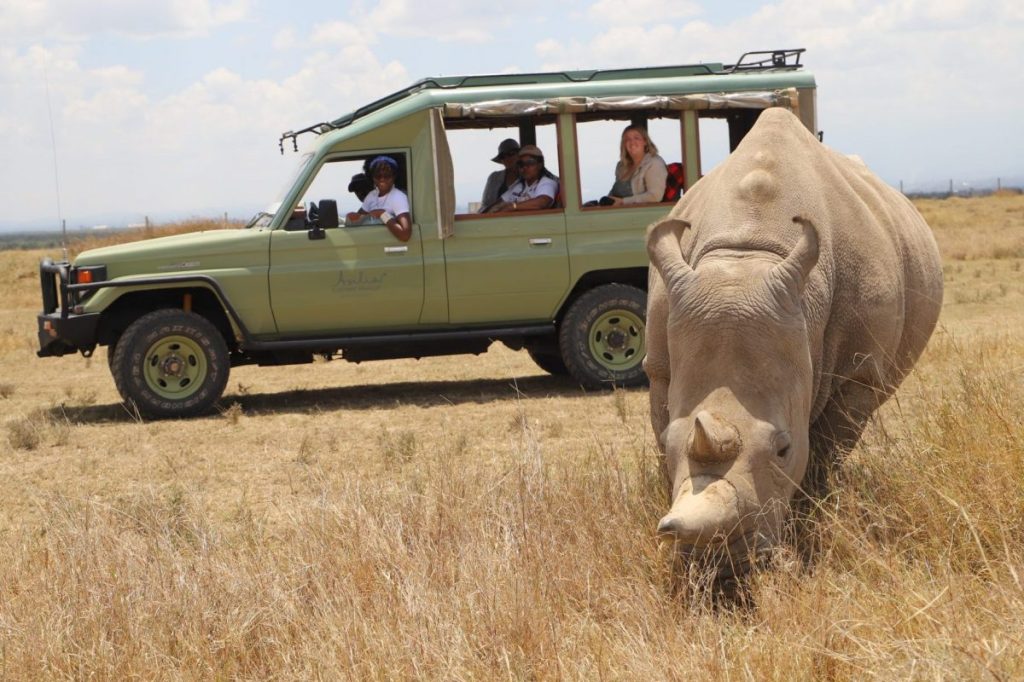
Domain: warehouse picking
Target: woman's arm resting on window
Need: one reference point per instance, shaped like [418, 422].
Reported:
[400, 226]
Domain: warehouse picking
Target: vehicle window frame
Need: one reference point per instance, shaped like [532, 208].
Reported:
[461, 217]
[358, 155]
[576, 122]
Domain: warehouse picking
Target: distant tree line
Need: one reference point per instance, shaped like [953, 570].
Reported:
[10, 241]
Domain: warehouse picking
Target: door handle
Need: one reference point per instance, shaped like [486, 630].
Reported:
[540, 242]
[395, 249]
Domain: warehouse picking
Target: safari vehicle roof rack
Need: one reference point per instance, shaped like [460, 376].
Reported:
[775, 59]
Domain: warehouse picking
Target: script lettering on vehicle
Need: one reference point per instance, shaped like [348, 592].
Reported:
[359, 281]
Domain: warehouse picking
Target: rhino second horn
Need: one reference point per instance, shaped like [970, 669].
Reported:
[792, 273]
[713, 440]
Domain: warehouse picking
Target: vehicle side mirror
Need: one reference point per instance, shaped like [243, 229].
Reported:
[313, 222]
[328, 214]
[321, 217]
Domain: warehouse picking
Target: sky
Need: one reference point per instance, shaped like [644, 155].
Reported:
[112, 110]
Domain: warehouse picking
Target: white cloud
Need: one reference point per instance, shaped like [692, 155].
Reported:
[641, 12]
[455, 21]
[284, 39]
[210, 145]
[342, 33]
[76, 20]
[24, 15]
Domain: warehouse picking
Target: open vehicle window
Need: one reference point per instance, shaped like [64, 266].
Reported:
[598, 143]
[347, 181]
[714, 142]
[473, 148]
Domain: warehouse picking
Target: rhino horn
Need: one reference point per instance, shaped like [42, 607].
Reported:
[706, 511]
[713, 439]
[663, 248]
[792, 273]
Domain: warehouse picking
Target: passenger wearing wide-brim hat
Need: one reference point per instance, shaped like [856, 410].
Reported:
[385, 202]
[536, 188]
[499, 181]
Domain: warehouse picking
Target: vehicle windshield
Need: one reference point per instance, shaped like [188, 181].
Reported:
[264, 217]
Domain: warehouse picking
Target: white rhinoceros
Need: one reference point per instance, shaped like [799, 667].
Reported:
[791, 291]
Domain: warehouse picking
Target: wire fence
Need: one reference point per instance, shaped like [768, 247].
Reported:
[954, 187]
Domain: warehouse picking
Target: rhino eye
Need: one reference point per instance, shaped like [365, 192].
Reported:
[782, 444]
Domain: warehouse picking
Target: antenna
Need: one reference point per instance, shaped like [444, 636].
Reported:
[56, 175]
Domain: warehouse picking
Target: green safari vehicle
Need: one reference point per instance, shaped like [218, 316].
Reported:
[567, 283]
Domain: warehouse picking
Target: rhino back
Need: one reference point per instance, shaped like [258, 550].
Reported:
[874, 297]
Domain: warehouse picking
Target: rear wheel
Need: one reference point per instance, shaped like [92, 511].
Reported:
[171, 363]
[548, 358]
[603, 337]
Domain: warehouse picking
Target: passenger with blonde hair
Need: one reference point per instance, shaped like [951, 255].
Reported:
[640, 174]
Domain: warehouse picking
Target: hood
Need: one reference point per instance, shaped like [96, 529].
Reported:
[192, 252]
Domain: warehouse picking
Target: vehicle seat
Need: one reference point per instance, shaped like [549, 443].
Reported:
[674, 182]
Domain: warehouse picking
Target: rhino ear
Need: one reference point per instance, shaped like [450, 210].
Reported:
[666, 254]
[792, 273]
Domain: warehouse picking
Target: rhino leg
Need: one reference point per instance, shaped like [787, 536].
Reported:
[837, 430]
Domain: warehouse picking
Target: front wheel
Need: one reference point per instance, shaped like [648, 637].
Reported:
[171, 363]
[603, 338]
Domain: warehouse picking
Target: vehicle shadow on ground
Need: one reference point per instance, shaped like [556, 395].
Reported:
[417, 393]
[361, 397]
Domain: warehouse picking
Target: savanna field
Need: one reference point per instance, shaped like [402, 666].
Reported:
[475, 518]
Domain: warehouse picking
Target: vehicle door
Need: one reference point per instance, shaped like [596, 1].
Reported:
[505, 268]
[352, 279]
[508, 267]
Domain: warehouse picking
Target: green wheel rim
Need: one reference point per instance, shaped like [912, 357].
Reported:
[175, 367]
[617, 340]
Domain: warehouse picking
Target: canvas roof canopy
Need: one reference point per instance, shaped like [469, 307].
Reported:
[463, 114]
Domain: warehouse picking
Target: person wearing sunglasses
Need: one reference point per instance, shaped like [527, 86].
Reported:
[536, 188]
[385, 202]
[499, 181]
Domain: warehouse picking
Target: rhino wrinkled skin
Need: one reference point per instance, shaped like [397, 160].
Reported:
[790, 293]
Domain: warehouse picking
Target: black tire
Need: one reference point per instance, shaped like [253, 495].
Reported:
[549, 359]
[603, 337]
[170, 363]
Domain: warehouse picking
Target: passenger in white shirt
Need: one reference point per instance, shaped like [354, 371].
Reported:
[536, 188]
[385, 201]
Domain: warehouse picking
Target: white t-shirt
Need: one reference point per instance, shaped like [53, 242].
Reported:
[544, 186]
[394, 202]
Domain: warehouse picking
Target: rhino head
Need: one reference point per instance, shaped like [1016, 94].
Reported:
[739, 395]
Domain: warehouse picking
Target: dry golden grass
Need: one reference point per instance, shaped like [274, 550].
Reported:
[474, 518]
[977, 228]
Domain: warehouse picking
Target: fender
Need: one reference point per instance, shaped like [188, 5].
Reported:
[146, 283]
